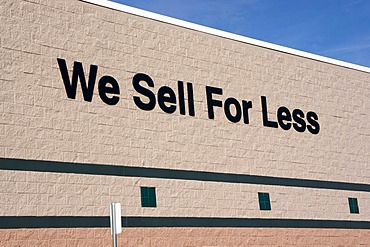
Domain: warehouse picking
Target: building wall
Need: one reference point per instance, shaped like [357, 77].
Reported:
[40, 123]
[184, 237]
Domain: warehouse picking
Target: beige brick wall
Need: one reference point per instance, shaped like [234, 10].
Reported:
[185, 237]
[43, 194]
[38, 121]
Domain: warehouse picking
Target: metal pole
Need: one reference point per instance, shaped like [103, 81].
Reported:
[116, 221]
[114, 240]
[114, 234]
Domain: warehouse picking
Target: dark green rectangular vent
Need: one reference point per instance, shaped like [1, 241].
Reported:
[264, 201]
[353, 206]
[148, 198]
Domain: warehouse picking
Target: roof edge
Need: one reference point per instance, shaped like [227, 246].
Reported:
[223, 34]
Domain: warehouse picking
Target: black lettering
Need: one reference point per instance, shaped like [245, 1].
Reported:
[266, 121]
[144, 91]
[298, 117]
[190, 99]
[104, 90]
[312, 118]
[163, 99]
[283, 114]
[180, 86]
[246, 106]
[211, 102]
[238, 110]
[78, 72]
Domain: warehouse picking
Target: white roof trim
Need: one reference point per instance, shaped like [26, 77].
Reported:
[204, 29]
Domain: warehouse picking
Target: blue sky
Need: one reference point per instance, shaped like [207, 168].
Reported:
[333, 28]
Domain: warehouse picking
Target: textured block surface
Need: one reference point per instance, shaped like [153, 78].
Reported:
[39, 122]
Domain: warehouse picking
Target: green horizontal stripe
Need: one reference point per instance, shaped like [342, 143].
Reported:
[129, 171]
[14, 222]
